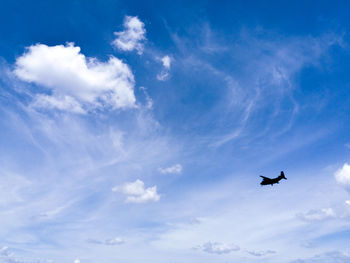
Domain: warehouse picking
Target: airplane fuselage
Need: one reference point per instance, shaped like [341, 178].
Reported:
[272, 181]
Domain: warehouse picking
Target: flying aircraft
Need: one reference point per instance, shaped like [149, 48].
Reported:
[267, 181]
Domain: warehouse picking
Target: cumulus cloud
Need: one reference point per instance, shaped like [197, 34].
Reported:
[77, 261]
[260, 253]
[175, 169]
[137, 193]
[217, 248]
[108, 242]
[347, 202]
[164, 74]
[343, 176]
[166, 61]
[317, 215]
[76, 83]
[132, 37]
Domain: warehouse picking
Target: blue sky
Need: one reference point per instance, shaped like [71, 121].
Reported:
[136, 131]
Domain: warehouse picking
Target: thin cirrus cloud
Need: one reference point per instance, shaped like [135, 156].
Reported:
[132, 37]
[175, 169]
[76, 83]
[137, 193]
[317, 215]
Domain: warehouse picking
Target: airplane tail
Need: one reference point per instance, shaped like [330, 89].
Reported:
[282, 175]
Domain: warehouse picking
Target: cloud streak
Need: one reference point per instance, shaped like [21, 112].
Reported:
[317, 215]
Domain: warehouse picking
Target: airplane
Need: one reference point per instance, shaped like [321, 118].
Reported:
[267, 181]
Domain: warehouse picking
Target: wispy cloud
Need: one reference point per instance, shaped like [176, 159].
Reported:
[149, 101]
[264, 84]
[318, 215]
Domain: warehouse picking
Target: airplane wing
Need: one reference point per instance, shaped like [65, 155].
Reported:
[265, 178]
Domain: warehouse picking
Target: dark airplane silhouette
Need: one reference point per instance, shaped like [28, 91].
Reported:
[267, 181]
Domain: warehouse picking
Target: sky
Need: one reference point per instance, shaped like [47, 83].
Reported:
[136, 131]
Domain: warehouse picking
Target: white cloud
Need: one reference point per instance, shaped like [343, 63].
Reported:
[317, 215]
[108, 242]
[77, 261]
[217, 248]
[166, 61]
[343, 176]
[175, 169]
[114, 241]
[164, 74]
[137, 193]
[133, 35]
[347, 202]
[260, 253]
[76, 82]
